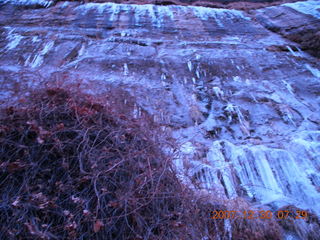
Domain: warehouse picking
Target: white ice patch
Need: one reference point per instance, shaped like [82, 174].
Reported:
[313, 70]
[156, 13]
[187, 148]
[288, 86]
[38, 59]
[163, 76]
[125, 69]
[236, 79]
[65, 4]
[189, 65]
[218, 14]
[14, 40]
[292, 52]
[311, 7]
[43, 3]
[269, 174]
[198, 72]
[35, 39]
[218, 92]
[81, 51]
[136, 111]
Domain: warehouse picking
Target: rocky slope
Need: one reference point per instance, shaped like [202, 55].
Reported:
[239, 91]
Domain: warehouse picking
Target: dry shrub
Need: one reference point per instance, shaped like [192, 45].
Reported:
[305, 228]
[256, 228]
[72, 168]
[75, 166]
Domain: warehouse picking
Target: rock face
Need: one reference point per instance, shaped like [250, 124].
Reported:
[297, 21]
[242, 99]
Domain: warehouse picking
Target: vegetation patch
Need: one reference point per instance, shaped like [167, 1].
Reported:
[78, 167]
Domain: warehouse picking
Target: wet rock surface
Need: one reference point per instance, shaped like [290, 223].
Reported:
[242, 100]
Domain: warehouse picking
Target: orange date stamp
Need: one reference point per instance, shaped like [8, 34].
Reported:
[258, 214]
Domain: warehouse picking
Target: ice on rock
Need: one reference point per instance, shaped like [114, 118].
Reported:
[13, 40]
[38, 59]
[157, 14]
[163, 76]
[35, 39]
[236, 79]
[287, 114]
[291, 51]
[268, 174]
[228, 229]
[288, 86]
[217, 14]
[198, 72]
[187, 148]
[114, 11]
[125, 69]
[217, 159]
[314, 71]
[218, 92]
[185, 80]
[43, 3]
[136, 111]
[189, 65]
[310, 7]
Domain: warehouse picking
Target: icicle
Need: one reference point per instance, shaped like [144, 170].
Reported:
[292, 52]
[185, 80]
[114, 10]
[136, 111]
[197, 72]
[218, 92]
[190, 66]
[35, 39]
[38, 59]
[81, 51]
[240, 116]
[287, 114]
[314, 71]
[288, 86]
[125, 69]
[228, 228]
[14, 40]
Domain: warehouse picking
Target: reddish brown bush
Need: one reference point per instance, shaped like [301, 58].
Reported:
[78, 167]
[72, 168]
